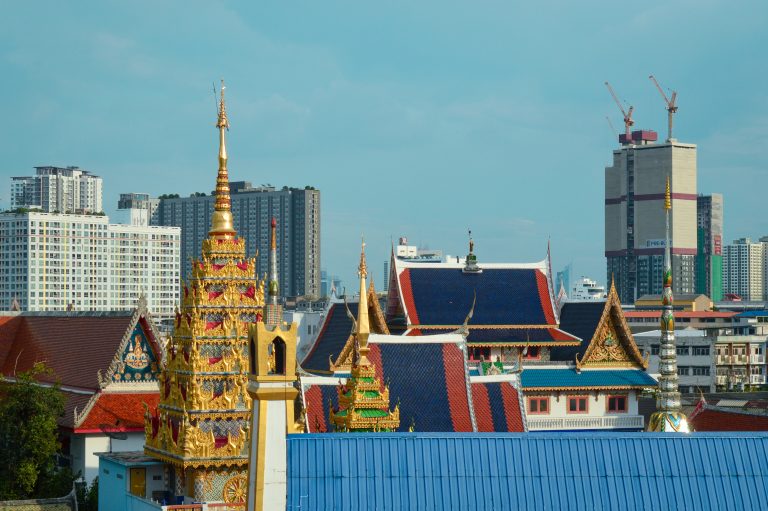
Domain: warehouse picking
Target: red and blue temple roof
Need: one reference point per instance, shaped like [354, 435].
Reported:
[332, 337]
[512, 303]
[430, 382]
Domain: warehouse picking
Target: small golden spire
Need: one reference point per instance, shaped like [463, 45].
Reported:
[221, 221]
[667, 197]
[363, 325]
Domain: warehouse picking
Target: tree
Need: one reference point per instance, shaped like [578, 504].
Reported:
[29, 436]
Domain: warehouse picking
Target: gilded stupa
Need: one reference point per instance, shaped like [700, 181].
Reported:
[200, 427]
[363, 404]
[668, 415]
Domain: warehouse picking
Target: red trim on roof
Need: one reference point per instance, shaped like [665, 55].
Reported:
[482, 406]
[410, 305]
[544, 297]
[315, 413]
[374, 356]
[456, 386]
[512, 408]
[121, 412]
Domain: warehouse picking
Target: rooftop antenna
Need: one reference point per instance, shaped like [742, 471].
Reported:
[671, 106]
[628, 122]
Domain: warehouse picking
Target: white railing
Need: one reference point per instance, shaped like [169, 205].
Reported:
[757, 359]
[722, 380]
[757, 379]
[571, 423]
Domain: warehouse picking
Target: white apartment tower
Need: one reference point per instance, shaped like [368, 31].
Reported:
[634, 216]
[744, 267]
[56, 262]
[58, 190]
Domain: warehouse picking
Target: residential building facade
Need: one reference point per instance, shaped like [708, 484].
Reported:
[297, 211]
[634, 217]
[58, 190]
[709, 254]
[58, 262]
[744, 269]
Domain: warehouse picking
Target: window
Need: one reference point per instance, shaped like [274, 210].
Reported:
[538, 405]
[654, 349]
[682, 370]
[577, 404]
[701, 370]
[701, 351]
[478, 353]
[617, 404]
[533, 352]
[682, 350]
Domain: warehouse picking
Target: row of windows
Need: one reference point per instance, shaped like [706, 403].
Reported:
[696, 351]
[539, 405]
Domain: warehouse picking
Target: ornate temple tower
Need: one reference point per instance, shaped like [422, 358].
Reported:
[201, 424]
[363, 405]
[272, 386]
[668, 415]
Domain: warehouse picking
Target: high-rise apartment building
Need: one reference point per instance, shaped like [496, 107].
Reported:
[138, 209]
[58, 190]
[709, 255]
[57, 262]
[634, 215]
[297, 211]
[744, 269]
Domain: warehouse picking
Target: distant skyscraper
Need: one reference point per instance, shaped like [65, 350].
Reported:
[297, 211]
[139, 209]
[58, 190]
[744, 269]
[634, 216]
[709, 256]
[53, 262]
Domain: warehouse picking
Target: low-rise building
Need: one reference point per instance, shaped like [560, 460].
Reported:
[695, 358]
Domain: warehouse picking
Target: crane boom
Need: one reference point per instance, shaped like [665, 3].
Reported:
[628, 122]
[671, 105]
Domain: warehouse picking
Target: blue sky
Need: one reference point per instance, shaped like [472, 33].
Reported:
[413, 118]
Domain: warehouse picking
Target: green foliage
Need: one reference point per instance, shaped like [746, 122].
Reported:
[169, 196]
[29, 438]
[88, 496]
[197, 194]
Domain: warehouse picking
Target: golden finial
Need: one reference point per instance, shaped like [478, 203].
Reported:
[362, 269]
[667, 197]
[221, 221]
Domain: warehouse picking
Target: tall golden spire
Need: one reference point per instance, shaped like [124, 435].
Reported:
[221, 221]
[363, 325]
[667, 198]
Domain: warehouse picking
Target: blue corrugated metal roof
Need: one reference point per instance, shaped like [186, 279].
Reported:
[753, 314]
[551, 378]
[527, 471]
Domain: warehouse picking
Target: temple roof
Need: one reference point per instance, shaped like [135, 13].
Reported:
[497, 406]
[706, 417]
[442, 294]
[74, 345]
[331, 339]
[632, 471]
[428, 377]
[568, 378]
[501, 336]
[580, 319]
[117, 411]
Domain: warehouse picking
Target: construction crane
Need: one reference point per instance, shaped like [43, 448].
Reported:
[671, 105]
[628, 122]
[615, 133]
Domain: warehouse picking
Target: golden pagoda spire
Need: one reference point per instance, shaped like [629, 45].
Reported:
[221, 221]
[667, 198]
[363, 324]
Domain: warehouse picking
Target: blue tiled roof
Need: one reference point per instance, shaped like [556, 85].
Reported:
[331, 339]
[552, 378]
[534, 336]
[443, 296]
[631, 471]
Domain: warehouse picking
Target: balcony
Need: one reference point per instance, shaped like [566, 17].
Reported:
[576, 423]
[757, 379]
[732, 360]
[757, 359]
